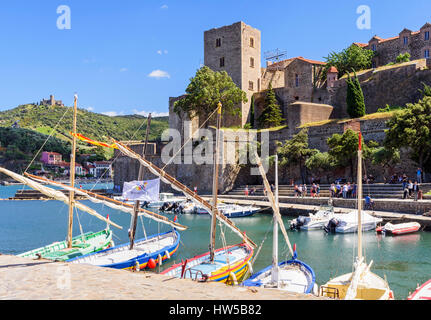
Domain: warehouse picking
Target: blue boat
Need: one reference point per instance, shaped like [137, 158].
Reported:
[292, 275]
[150, 251]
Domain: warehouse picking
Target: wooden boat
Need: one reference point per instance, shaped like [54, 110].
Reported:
[229, 266]
[292, 275]
[245, 254]
[361, 284]
[399, 229]
[136, 254]
[76, 246]
[158, 248]
[422, 293]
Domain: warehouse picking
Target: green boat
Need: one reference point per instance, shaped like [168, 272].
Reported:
[83, 244]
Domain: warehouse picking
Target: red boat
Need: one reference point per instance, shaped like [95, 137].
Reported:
[422, 293]
[399, 229]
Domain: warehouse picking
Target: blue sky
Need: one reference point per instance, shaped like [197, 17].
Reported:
[113, 47]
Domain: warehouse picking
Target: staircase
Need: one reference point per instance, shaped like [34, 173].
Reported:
[376, 191]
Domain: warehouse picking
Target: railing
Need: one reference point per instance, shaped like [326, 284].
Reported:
[202, 278]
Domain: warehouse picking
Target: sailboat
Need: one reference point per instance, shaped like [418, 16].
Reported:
[224, 264]
[361, 284]
[139, 254]
[228, 264]
[72, 246]
[292, 275]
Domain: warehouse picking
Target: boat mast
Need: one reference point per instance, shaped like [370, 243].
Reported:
[134, 218]
[72, 175]
[360, 197]
[275, 269]
[215, 186]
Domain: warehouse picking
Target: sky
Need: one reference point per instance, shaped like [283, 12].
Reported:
[130, 56]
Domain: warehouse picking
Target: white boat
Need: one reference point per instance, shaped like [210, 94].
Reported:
[316, 221]
[231, 210]
[361, 284]
[348, 222]
[399, 229]
[422, 293]
[292, 275]
[165, 198]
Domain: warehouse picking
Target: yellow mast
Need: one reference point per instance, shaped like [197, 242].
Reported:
[360, 197]
[215, 186]
[72, 175]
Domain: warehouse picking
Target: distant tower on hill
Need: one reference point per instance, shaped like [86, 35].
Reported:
[51, 102]
[236, 49]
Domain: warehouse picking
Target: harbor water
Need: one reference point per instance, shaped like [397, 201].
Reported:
[404, 260]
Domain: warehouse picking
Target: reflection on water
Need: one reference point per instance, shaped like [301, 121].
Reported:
[404, 260]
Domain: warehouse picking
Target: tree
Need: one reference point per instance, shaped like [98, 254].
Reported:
[271, 114]
[296, 151]
[403, 57]
[321, 163]
[353, 57]
[344, 148]
[206, 90]
[386, 157]
[411, 128]
[355, 98]
[426, 92]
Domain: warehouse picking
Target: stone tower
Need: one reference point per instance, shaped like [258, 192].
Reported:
[236, 49]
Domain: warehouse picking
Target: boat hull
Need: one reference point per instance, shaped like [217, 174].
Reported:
[200, 266]
[294, 276]
[422, 293]
[399, 229]
[58, 251]
[122, 258]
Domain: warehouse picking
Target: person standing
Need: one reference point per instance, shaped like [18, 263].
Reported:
[318, 190]
[246, 191]
[419, 175]
[410, 187]
[416, 190]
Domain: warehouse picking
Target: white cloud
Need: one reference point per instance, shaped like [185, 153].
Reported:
[113, 113]
[153, 114]
[165, 6]
[162, 52]
[159, 52]
[123, 69]
[90, 109]
[158, 74]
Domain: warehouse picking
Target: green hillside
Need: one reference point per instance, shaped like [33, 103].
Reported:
[42, 120]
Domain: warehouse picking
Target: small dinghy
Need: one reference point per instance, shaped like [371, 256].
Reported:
[399, 229]
[422, 293]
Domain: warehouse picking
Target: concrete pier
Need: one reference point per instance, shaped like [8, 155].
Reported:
[26, 279]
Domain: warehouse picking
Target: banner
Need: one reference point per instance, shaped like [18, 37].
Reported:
[142, 190]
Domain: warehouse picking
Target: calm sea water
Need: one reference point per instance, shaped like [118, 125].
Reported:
[404, 260]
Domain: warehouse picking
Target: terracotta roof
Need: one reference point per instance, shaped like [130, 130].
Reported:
[311, 61]
[332, 70]
[362, 45]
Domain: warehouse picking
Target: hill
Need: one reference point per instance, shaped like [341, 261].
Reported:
[41, 120]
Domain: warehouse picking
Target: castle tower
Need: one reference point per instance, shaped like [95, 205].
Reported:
[236, 49]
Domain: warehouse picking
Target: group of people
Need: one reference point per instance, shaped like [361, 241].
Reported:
[346, 191]
[301, 190]
[402, 178]
[411, 189]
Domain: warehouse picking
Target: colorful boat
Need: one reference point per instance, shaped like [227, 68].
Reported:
[158, 247]
[229, 266]
[292, 275]
[422, 293]
[399, 229]
[81, 245]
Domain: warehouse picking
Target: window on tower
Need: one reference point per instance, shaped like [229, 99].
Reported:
[218, 42]
[221, 62]
[252, 42]
[250, 85]
[296, 80]
[251, 62]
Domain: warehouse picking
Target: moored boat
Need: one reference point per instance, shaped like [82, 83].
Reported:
[423, 292]
[158, 248]
[231, 210]
[316, 221]
[399, 229]
[348, 222]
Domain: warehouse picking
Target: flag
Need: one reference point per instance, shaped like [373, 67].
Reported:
[142, 190]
